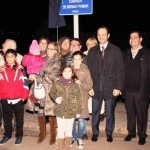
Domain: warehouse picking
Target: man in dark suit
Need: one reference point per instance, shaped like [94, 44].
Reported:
[105, 62]
[137, 87]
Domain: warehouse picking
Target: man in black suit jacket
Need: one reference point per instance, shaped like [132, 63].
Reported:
[107, 71]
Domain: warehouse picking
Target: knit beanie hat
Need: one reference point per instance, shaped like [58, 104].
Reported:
[34, 47]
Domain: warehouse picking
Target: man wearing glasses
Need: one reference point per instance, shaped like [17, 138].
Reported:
[75, 45]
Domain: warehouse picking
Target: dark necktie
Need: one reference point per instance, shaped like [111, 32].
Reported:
[103, 49]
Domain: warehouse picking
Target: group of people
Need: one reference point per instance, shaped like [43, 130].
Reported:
[71, 79]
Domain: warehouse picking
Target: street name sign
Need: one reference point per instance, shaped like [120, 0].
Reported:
[76, 7]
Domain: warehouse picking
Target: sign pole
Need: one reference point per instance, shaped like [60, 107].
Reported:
[76, 8]
[76, 26]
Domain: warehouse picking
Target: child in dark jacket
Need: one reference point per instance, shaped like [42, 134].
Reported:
[13, 91]
[67, 96]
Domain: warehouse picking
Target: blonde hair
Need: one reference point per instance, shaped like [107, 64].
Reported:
[93, 39]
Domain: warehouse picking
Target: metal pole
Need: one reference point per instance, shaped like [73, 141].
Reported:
[76, 26]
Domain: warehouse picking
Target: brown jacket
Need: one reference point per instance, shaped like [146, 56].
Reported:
[84, 76]
[51, 72]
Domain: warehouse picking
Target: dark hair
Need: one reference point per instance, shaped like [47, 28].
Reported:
[69, 66]
[12, 51]
[104, 27]
[77, 53]
[136, 31]
[76, 39]
[43, 38]
[62, 39]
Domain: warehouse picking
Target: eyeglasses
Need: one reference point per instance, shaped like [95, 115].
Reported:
[51, 49]
[74, 45]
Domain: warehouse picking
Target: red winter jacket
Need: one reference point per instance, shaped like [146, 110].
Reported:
[13, 83]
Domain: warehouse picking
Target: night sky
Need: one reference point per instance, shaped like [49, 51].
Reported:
[121, 17]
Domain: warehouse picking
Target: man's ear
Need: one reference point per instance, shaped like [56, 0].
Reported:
[80, 46]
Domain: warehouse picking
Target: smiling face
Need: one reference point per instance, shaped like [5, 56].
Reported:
[67, 73]
[135, 40]
[90, 44]
[75, 46]
[65, 44]
[77, 60]
[102, 35]
[10, 59]
[43, 44]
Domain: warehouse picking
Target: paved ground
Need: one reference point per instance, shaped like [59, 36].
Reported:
[120, 118]
[31, 132]
[29, 143]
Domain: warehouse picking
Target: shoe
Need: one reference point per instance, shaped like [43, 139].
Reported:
[142, 141]
[129, 137]
[109, 138]
[94, 138]
[4, 140]
[84, 137]
[80, 144]
[18, 140]
[73, 141]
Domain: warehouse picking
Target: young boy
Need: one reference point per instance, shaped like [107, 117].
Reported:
[13, 91]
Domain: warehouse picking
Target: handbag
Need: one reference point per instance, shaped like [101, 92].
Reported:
[39, 90]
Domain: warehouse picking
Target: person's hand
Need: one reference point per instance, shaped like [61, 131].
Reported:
[91, 92]
[2, 68]
[116, 92]
[32, 77]
[20, 67]
[78, 81]
[58, 100]
[78, 115]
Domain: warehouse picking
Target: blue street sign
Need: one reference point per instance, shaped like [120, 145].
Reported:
[76, 7]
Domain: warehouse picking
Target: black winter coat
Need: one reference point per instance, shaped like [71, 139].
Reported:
[145, 73]
[112, 70]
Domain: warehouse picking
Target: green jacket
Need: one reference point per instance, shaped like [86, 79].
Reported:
[72, 101]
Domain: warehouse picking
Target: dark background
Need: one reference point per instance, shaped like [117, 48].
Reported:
[121, 17]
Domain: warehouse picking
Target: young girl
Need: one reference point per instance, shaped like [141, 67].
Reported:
[33, 60]
[86, 84]
[67, 96]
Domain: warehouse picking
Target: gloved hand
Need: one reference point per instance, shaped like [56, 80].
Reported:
[78, 115]
[58, 100]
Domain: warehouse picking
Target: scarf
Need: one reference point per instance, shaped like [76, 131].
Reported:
[64, 81]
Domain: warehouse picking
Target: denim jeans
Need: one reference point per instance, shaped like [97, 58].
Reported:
[85, 128]
[81, 124]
